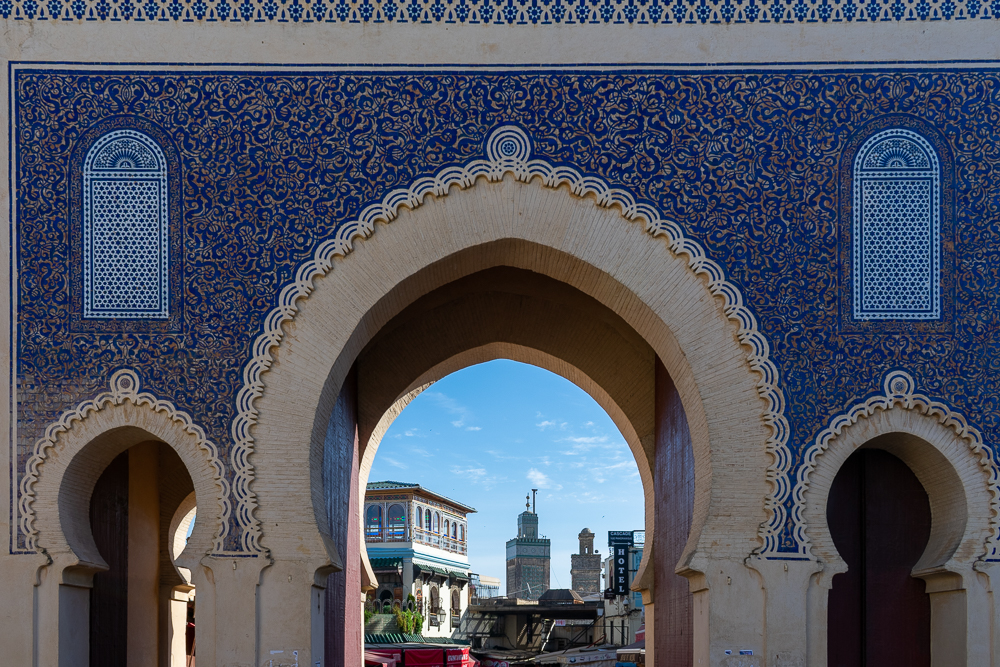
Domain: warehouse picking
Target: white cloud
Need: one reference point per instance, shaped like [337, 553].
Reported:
[451, 406]
[473, 474]
[623, 469]
[473, 428]
[541, 480]
[394, 463]
[478, 476]
[545, 424]
[586, 440]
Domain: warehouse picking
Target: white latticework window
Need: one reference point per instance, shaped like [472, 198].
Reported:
[896, 229]
[125, 228]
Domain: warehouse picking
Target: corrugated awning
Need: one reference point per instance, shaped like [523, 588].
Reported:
[393, 638]
[385, 563]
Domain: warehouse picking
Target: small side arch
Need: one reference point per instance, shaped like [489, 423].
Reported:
[56, 496]
[959, 476]
[65, 465]
[944, 452]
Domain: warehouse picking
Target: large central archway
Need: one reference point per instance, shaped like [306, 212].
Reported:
[431, 270]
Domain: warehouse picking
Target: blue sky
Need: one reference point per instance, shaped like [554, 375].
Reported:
[488, 434]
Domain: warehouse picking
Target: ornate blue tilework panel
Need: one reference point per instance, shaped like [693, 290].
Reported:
[502, 12]
[269, 165]
[125, 223]
[897, 226]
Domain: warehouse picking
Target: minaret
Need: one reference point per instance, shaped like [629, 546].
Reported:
[528, 557]
[586, 565]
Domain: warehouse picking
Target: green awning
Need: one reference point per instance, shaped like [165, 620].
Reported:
[399, 638]
[455, 574]
[393, 638]
[432, 569]
[385, 563]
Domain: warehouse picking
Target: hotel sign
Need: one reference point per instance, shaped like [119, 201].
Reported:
[619, 541]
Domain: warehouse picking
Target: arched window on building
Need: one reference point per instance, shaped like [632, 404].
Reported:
[435, 600]
[420, 517]
[461, 533]
[446, 527]
[456, 602]
[427, 520]
[396, 523]
[373, 523]
[437, 522]
[125, 229]
[896, 228]
[454, 531]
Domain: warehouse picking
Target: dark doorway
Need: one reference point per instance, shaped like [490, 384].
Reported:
[880, 521]
[109, 596]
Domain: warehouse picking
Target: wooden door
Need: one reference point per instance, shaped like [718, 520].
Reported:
[109, 596]
[880, 520]
[674, 488]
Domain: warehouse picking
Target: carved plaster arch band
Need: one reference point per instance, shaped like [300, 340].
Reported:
[899, 389]
[508, 151]
[124, 387]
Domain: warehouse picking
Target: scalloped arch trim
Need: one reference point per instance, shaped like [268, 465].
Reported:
[508, 151]
[124, 385]
[899, 389]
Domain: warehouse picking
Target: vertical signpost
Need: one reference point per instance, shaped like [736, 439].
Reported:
[619, 542]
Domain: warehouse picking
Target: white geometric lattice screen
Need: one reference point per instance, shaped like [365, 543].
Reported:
[125, 228]
[896, 249]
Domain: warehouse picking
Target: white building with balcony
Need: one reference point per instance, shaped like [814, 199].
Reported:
[417, 542]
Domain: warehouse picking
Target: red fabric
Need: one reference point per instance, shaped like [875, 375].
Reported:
[424, 657]
[457, 657]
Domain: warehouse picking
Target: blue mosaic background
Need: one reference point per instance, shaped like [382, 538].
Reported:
[749, 164]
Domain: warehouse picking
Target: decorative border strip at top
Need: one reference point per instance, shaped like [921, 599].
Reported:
[124, 387]
[899, 389]
[501, 12]
[508, 151]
